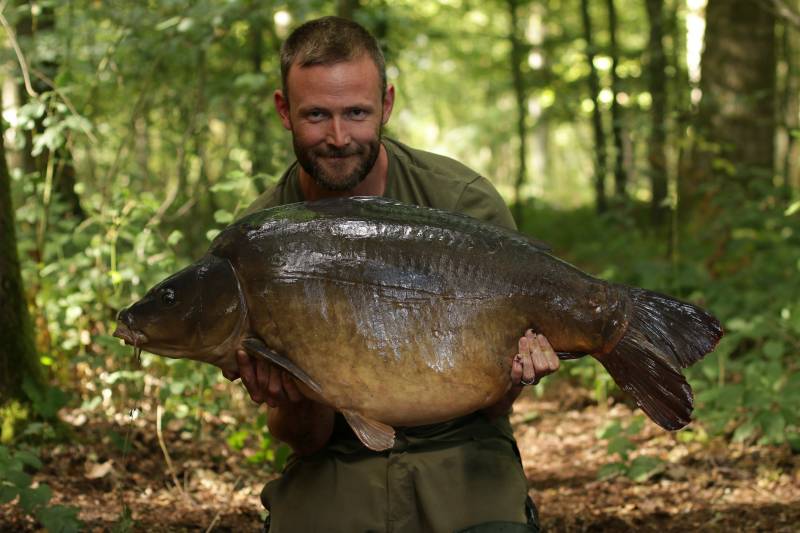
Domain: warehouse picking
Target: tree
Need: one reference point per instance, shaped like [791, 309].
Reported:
[620, 173]
[601, 159]
[17, 349]
[521, 98]
[736, 119]
[657, 82]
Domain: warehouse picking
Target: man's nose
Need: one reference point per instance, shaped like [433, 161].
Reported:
[337, 134]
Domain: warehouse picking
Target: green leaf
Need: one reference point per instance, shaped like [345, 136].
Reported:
[18, 478]
[29, 459]
[223, 217]
[7, 493]
[620, 445]
[281, 455]
[31, 499]
[612, 429]
[611, 470]
[744, 431]
[238, 439]
[59, 519]
[792, 209]
[774, 349]
[643, 468]
[175, 237]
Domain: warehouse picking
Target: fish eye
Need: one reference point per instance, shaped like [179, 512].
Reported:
[168, 296]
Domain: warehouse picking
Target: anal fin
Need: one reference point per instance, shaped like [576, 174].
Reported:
[375, 435]
[257, 347]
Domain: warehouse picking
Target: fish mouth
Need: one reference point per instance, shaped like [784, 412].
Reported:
[130, 336]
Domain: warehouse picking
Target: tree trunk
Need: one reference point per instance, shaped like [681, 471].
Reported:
[600, 159]
[657, 82]
[620, 173]
[736, 119]
[347, 8]
[521, 97]
[18, 361]
[259, 147]
[790, 110]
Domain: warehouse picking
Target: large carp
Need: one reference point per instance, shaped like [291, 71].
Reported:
[398, 315]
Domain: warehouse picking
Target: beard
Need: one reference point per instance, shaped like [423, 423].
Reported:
[338, 179]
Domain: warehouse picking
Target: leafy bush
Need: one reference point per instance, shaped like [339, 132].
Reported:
[17, 483]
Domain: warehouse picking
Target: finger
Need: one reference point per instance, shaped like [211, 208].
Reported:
[248, 375]
[516, 369]
[264, 372]
[540, 363]
[553, 362]
[276, 386]
[230, 375]
[529, 372]
[290, 388]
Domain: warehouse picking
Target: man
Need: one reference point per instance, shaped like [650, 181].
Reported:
[462, 475]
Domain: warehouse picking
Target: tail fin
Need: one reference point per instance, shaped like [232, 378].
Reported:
[663, 335]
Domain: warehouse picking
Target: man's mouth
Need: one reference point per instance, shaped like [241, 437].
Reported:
[131, 337]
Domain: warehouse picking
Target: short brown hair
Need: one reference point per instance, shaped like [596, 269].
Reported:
[330, 40]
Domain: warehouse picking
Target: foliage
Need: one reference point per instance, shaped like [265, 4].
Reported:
[620, 443]
[34, 499]
[748, 387]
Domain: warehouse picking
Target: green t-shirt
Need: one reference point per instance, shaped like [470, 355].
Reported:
[414, 177]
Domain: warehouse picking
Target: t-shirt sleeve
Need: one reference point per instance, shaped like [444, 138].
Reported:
[268, 198]
[482, 201]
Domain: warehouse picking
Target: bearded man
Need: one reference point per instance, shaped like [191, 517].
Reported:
[461, 475]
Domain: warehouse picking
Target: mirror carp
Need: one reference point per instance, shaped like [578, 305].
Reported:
[400, 315]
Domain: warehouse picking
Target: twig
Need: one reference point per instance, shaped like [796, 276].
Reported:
[20, 57]
[64, 98]
[159, 412]
[219, 513]
[783, 10]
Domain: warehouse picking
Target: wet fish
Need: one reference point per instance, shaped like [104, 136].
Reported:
[399, 315]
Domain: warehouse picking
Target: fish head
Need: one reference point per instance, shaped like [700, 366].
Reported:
[198, 313]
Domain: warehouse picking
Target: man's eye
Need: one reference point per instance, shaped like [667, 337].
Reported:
[358, 114]
[315, 116]
[168, 297]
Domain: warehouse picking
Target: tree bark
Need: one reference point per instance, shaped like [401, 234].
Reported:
[657, 82]
[620, 172]
[600, 159]
[736, 120]
[521, 97]
[18, 361]
[790, 110]
[259, 147]
[347, 8]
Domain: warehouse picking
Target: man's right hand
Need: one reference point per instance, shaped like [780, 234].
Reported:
[266, 382]
[301, 422]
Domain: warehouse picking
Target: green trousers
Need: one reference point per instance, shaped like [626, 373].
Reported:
[464, 475]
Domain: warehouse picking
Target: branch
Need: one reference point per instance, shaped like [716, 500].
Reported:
[784, 11]
[20, 57]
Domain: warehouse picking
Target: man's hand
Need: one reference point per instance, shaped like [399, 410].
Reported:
[536, 359]
[293, 418]
[266, 382]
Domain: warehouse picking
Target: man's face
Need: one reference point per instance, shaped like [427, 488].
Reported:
[335, 113]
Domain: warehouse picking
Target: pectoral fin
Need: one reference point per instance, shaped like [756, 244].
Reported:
[256, 347]
[374, 435]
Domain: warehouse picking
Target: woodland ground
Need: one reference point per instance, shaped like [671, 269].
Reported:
[708, 486]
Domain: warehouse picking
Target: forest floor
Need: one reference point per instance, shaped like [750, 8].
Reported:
[703, 486]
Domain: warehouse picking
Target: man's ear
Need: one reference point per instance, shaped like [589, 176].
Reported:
[282, 107]
[388, 104]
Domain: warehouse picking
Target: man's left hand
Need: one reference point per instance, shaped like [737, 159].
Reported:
[536, 359]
